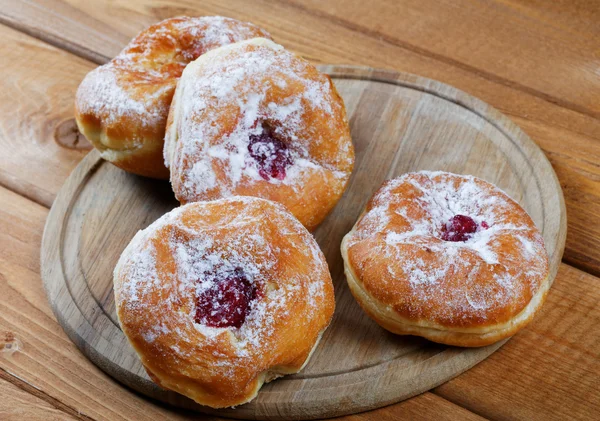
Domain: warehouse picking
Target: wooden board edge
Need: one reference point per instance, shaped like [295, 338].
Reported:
[51, 240]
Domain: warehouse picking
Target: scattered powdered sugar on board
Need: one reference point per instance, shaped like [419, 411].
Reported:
[205, 254]
[503, 261]
[225, 98]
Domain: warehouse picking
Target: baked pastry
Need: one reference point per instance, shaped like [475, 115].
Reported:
[122, 106]
[220, 297]
[254, 119]
[447, 257]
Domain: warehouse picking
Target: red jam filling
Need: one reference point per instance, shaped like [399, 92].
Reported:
[227, 303]
[460, 228]
[271, 154]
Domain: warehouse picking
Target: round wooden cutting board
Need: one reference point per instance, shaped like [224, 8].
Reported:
[399, 123]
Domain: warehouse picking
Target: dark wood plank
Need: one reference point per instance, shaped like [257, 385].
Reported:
[426, 407]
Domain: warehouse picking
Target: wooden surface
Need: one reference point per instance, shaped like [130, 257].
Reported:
[549, 371]
[399, 123]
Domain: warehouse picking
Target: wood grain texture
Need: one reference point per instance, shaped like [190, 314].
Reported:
[18, 405]
[426, 406]
[36, 102]
[570, 137]
[526, 379]
[48, 365]
[498, 40]
[399, 123]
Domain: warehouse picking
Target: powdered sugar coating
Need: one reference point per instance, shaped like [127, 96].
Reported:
[124, 104]
[484, 280]
[235, 93]
[167, 265]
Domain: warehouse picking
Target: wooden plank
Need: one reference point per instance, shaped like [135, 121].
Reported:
[570, 139]
[18, 405]
[426, 406]
[49, 362]
[551, 370]
[529, 49]
[50, 14]
[36, 105]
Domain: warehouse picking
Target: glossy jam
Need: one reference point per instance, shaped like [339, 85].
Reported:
[227, 303]
[272, 155]
[461, 228]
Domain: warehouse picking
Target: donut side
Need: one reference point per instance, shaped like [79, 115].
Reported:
[390, 320]
[122, 106]
[164, 274]
[414, 275]
[124, 124]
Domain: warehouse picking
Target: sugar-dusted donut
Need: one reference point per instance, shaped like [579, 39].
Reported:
[220, 297]
[448, 257]
[122, 106]
[254, 119]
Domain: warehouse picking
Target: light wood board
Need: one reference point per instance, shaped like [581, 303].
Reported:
[399, 123]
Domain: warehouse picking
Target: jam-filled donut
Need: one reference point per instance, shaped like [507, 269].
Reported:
[254, 119]
[220, 297]
[122, 106]
[447, 257]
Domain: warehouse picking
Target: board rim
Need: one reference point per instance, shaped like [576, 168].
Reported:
[51, 263]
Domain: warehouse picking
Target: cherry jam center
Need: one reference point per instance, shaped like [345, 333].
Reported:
[460, 228]
[271, 154]
[226, 303]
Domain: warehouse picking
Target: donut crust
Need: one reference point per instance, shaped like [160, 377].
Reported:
[122, 106]
[159, 271]
[244, 89]
[398, 268]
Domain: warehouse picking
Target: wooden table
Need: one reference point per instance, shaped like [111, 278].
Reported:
[536, 61]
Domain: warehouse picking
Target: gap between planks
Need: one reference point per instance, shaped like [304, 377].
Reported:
[32, 390]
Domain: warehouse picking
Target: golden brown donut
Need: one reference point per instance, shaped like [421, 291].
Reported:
[220, 297]
[122, 106]
[447, 257]
[254, 119]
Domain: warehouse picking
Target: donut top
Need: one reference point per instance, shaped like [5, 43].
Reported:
[252, 113]
[451, 250]
[139, 82]
[224, 281]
